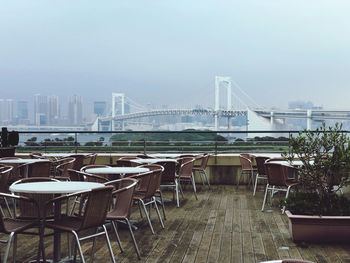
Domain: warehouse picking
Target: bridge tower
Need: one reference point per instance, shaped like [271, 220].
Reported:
[218, 83]
[118, 100]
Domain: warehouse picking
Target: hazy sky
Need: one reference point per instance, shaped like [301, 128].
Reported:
[169, 52]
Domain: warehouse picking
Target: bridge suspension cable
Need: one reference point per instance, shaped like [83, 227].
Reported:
[245, 94]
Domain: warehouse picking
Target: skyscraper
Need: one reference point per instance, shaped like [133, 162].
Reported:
[6, 111]
[40, 109]
[53, 110]
[75, 110]
[22, 112]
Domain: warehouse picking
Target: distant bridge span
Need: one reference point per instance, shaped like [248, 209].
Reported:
[179, 112]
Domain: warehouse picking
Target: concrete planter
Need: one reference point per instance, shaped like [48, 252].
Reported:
[319, 229]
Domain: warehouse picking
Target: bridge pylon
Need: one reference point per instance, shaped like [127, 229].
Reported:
[218, 81]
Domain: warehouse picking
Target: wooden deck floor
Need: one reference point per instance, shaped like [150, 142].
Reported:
[224, 225]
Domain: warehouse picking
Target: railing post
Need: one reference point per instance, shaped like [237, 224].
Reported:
[216, 144]
[144, 143]
[76, 142]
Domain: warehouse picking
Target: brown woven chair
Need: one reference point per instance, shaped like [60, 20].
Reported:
[92, 214]
[185, 173]
[246, 168]
[126, 162]
[80, 176]
[277, 180]
[14, 226]
[16, 172]
[91, 158]
[261, 172]
[169, 179]
[147, 196]
[201, 168]
[79, 161]
[37, 169]
[123, 197]
[61, 170]
[153, 167]
[5, 172]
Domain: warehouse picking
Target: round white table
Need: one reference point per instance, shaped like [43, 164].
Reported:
[169, 155]
[61, 187]
[54, 188]
[153, 160]
[116, 170]
[22, 161]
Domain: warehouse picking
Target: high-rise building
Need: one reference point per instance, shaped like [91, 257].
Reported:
[75, 110]
[53, 110]
[100, 108]
[40, 109]
[6, 111]
[22, 110]
[22, 115]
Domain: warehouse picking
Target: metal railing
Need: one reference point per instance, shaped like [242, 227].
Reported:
[154, 141]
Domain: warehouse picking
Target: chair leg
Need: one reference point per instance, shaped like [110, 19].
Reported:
[14, 249]
[133, 238]
[194, 187]
[148, 219]
[239, 178]
[162, 203]
[138, 204]
[157, 210]
[93, 247]
[109, 244]
[255, 185]
[265, 196]
[284, 207]
[8, 246]
[180, 187]
[117, 235]
[8, 207]
[177, 193]
[79, 247]
[206, 177]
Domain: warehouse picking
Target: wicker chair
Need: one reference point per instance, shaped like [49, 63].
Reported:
[91, 158]
[153, 167]
[61, 170]
[146, 196]
[201, 168]
[246, 168]
[92, 215]
[5, 172]
[37, 169]
[123, 197]
[261, 172]
[185, 173]
[14, 226]
[169, 179]
[277, 180]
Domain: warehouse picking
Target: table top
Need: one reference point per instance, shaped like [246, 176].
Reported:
[269, 155]
[20, 161]
[170, 155]
[116, 170]
[153, 160]
[57, 154]
[294, 163]
[53, 187]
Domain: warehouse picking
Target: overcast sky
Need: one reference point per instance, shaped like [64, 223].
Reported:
[169, 52]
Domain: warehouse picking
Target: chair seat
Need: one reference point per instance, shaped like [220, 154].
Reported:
[17, 225]
[66, 223]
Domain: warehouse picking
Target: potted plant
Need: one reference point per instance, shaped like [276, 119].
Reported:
[319, 211]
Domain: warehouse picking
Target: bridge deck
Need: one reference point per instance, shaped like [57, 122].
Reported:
[225, 225]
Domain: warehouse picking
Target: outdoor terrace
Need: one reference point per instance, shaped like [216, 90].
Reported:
[224, 225]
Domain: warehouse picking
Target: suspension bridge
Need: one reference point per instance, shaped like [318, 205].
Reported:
[257, 117]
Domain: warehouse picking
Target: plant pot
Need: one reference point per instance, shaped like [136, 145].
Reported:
[319, 229]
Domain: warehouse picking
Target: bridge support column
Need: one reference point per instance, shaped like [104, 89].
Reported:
[308, 120]
[229, 123]
[272, 119]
